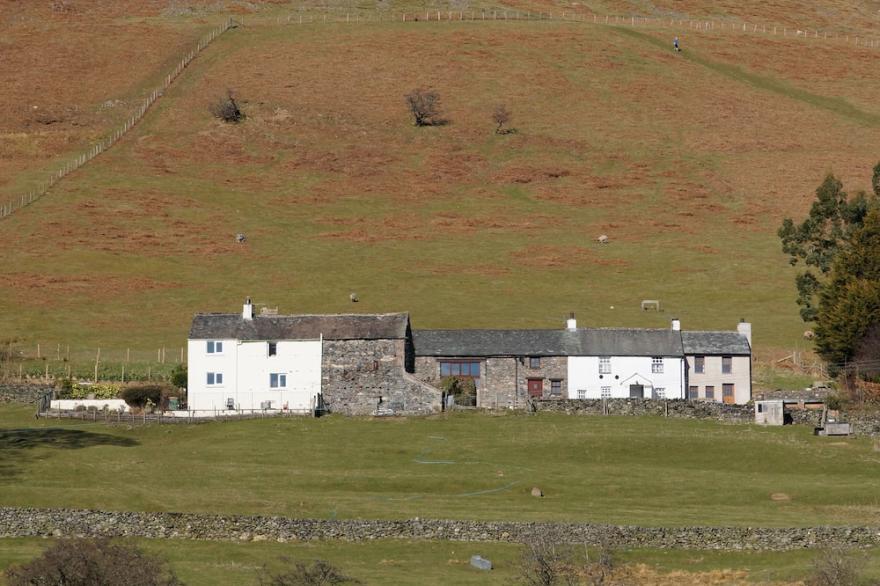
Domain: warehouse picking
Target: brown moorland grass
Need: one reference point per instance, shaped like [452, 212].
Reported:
[688, 163]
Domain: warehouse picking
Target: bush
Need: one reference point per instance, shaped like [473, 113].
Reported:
[179, 376]
[834, 568]
[141, 395]
[84, 562]
[424, 105]
[100, 391]
[500, 117]
[300, 574]
[227, 109]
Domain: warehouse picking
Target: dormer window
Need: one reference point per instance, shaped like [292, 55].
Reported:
[215, 347]
[273, 348]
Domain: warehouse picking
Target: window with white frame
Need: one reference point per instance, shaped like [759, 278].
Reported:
[277, 380]
[659, 393]
[606, 392]
[604, 365]
[215, 347]
[215, 379]
[582, 393]
[657, 365]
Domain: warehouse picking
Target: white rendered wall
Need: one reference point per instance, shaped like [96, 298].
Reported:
[583, 374]
[246, 368]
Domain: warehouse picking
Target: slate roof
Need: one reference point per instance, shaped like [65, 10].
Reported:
[388, 326]
[561, 342]
[729, 343]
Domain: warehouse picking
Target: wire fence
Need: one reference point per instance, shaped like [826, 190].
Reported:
[508, 14]
[96, 149]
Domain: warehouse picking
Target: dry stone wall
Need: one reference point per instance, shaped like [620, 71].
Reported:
[23, 522]
[672, 408]
[22, 392]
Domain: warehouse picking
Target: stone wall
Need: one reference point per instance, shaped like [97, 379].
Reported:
[21, 522]
[361, 376]
[672, 408]
[22, 392]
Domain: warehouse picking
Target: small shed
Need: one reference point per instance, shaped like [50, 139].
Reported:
[770, 412]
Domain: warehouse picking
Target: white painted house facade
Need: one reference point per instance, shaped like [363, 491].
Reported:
[243, 374]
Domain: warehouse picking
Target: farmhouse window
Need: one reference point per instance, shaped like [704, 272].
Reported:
[693, 392]
[658, 393]
[215, 378]
[582, 393]
[461, 368]
[534, 362]
[710, 391]
[699, 364]
[606, 392]
[277, 380]
[273, 348]
[555, 387]
[215, 347]
[726, 364]
[657, 365]
[605, 365]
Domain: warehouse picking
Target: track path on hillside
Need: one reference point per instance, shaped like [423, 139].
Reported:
[837, 106]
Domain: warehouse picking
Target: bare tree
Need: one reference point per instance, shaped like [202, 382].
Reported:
[501, 116]
[834, 567]
[424, 105]
[227, 110]
[83, 562]
[319, 573]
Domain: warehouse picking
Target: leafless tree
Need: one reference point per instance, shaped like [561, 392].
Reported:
[424, 105]
[834, 567]
[227, 110]
[501, 116]
[83, 562]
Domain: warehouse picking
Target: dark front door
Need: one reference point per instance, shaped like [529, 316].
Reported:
[536, 387]
[727, 394]
[636, 391]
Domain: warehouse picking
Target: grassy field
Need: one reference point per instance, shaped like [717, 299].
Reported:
[419, 562]
[650, 471]
[687, 162]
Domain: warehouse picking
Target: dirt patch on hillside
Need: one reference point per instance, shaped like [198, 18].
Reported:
[36, 289]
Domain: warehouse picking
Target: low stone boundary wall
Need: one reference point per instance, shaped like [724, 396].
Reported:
[689, 409]
[22, 392]
[23, 522]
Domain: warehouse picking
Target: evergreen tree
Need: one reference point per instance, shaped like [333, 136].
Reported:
[849, 302]
[817, 241]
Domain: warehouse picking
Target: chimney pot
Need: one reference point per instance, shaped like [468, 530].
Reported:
[571, 322]
[247, 310]
[676, 324]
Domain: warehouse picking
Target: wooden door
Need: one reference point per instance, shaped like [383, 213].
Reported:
[536, 387]
[637, 391]
[727, 394]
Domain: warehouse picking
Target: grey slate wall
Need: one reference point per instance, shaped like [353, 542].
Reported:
[357, 374]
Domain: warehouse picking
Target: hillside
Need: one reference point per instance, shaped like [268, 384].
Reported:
[687, 162]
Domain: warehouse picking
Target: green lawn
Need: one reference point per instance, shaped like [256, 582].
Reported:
[649, 471]
[430, 562]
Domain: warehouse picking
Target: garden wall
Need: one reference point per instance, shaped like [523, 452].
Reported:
[671, 408]
[22, 392]
[21, 522]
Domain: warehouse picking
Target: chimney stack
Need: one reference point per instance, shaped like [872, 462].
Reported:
[676, 324]
[571, 324]
[745, 329]
[247, 310]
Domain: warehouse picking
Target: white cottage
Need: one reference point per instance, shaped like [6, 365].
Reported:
[632, 363]
[237, 362]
